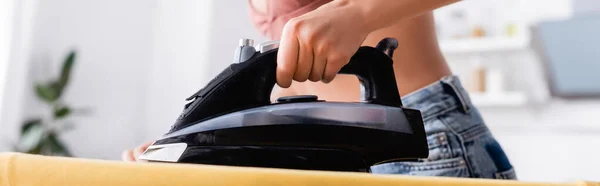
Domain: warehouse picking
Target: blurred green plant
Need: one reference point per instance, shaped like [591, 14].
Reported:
[40, 135]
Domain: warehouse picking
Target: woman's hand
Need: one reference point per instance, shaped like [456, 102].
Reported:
[316, 45]
[132, 155]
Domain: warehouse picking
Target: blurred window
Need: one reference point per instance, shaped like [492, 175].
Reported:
[570, 49]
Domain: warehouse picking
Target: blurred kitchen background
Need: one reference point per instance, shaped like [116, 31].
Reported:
[532, 67]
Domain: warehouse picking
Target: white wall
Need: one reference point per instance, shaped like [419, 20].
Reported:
[16, 71]
[181, 60]
[6, 24]
[114, 41]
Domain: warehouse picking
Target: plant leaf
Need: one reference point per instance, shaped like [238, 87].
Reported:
[30, 123]
[55, 85]
[46, 93]
[31, 138]
[56, 147]
[62, 112]
[65, 72]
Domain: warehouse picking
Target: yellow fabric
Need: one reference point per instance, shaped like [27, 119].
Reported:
[24, 170]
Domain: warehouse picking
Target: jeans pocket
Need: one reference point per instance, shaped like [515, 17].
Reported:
[454, 167]
[509, 174]
[441, 161]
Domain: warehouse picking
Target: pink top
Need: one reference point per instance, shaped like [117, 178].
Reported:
[279, 12]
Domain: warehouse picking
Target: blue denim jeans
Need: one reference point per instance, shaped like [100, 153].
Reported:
[460, 144]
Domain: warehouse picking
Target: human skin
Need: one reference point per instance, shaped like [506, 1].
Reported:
[316, 45]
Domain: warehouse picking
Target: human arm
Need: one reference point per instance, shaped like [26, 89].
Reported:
[316, 45]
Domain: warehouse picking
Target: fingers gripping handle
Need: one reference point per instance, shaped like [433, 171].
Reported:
[373, 68]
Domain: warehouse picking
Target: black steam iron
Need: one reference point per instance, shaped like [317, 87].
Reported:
[232, 121]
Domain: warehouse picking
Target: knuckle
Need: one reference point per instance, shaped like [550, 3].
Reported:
[295, 24]
[321, 49]
[308, 37]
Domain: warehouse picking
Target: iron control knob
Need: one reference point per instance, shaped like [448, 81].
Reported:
[244, 51]
[246, 42]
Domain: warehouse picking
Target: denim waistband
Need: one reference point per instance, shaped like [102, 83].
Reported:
[447, 101]
[434, 98]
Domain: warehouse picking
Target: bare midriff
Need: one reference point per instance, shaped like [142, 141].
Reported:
[418, 61]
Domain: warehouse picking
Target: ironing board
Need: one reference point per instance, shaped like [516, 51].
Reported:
[23, 170]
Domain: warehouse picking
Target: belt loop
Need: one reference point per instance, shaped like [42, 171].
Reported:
[453, 83]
